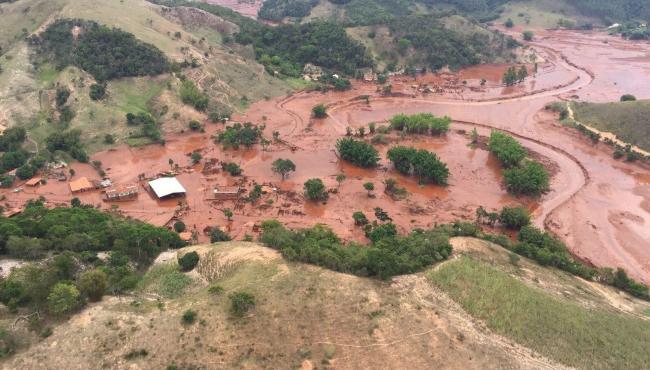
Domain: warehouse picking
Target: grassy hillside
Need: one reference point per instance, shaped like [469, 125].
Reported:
[627, 120]
[308, 316]
[555, 327]
[230, 79]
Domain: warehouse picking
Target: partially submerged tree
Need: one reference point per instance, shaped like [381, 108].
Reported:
[283, 167]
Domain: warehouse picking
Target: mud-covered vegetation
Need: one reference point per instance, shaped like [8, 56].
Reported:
[420, 163]
[357, 152]
[420, 123]
[106, 53]
[387, 256]
[522, 176]
[66, 241]
[236, 135]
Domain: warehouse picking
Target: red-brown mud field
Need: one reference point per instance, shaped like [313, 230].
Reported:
[598, 206]
[248, 8]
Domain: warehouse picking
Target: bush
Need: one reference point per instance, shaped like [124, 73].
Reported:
[63, 299]
[420, 123]
[388, 256]
[232, 168]
[359, 153]
[529, 179]
[283, 167]
[315, 190]
[218, 235]
[191, 95]
[508, 150]
[194, 125]
[319, 111]
[189, 317]
[179, 226]
[93, 284]
[97, 91]
[528, 35]
[628, 97]
[188, 261]
[215, 289]
[514, 217]
[241, 303]
[359, 218]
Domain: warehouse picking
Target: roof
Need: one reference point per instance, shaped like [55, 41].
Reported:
[80, 184]
[166, 186]
[226, 189]
[34, 181]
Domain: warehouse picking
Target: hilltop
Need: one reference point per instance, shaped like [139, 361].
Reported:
[310, 317]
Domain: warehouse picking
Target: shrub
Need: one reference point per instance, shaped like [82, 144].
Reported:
[628, 97]
[359, 218]
[528, 35]
[189, 317]
[241, 303]
[319, 111]
[188, 261]
[359, 153]
[179, 226]
[232, 168]
[63, 299]
[514, 217]
[62, 95]
[109, 139]
[509, 23]
[506, 148]
[218, 235]
[191, 95]
[93, 284]
[315, 190]
[97, 91]
[215, 289]
[194, 125]
[529, 179]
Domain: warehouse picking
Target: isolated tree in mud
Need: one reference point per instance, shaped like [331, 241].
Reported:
[369, 188]
[315, 190]
[228, 213]
[283, 167]
[522, 74]
[339, 180]
[319, 111]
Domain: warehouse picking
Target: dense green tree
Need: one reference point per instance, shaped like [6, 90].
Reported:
[188, 261]
[319, 111]
[63, 299]
[514, 217]
[529, 179]
[359, 153]
[315, 190]
[97, 91]
[93, 284]
[508, 150]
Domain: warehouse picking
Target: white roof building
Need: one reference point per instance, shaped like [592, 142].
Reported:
[166, 186]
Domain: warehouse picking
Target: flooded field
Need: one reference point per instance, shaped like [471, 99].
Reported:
[599, 206]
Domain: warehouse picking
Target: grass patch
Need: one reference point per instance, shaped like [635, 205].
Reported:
[558, 329]
[627, 120]
[165, 280]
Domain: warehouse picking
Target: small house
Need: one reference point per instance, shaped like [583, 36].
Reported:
[35, 181]
[121, 192]
[226, 192]
[80, 185]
